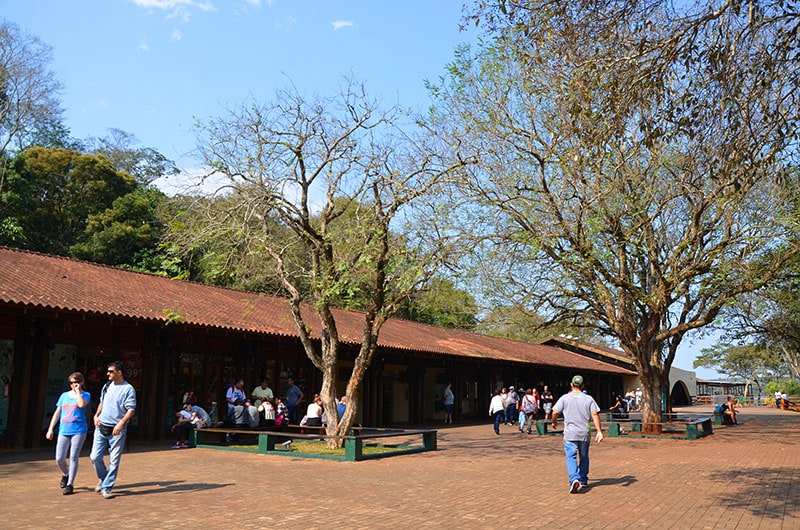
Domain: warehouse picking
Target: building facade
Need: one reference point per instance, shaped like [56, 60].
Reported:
[59, 315]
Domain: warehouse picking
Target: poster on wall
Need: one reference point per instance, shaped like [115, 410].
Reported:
[133, 368]
[62, 363]
[6, 358]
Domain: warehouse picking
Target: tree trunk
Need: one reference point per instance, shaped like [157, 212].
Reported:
[651, 400]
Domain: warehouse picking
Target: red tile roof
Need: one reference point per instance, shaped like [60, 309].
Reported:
[53, 282]
[597, 348]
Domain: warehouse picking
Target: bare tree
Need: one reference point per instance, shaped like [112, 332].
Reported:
[345, 180]
[28, 90]
[634, 161]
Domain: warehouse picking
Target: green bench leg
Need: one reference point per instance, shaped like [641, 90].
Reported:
[353, 449]
[707, 428]
[613, 430]
[691, 431]
[429, 441]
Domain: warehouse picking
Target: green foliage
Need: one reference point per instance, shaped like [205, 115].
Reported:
[751, 361]
[790, 387]
[442, 304]
[11, 233]
[173, 317]
[210, 236]
[515, 323]
[119, 234]
[52, 192]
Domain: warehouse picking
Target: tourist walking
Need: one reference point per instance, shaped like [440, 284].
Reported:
[70, 414]
[117, 407]
[497, 409]
[578, 409]
[530, 408]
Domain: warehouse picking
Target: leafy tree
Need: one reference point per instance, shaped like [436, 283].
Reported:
[515, 323]
[30, 111]
[634, 161]
[752, 362]
[50, 194]
[441, 304]
[772, 317]
[117, 235]
[214, 253]
[304, 163]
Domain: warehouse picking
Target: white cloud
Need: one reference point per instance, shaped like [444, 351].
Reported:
[144, 47]
[194, 181]
[339, 24]
[173, 4]
[285, 24]
[176, 35]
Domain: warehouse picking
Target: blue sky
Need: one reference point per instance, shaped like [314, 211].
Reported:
[154, 67]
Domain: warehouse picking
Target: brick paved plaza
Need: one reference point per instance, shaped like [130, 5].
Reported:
[744, 476]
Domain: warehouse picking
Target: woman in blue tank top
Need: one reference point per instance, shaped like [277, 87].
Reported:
[71, 410]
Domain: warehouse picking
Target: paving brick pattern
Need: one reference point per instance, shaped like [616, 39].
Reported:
[745, 476]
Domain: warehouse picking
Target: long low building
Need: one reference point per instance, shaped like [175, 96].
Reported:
[59, 315]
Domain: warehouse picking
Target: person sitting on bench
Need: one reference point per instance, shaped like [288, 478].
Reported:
[620, 409]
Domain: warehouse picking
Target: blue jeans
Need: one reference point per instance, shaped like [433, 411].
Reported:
[499, 417]
[114, 446]
[511, 414]
[576, 470]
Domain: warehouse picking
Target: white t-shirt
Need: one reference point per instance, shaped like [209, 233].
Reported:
[314, 411]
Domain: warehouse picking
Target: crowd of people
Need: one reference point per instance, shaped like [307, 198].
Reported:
[264, 409]
[520, 408]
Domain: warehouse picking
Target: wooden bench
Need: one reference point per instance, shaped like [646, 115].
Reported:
[694, 427]
[274, 441]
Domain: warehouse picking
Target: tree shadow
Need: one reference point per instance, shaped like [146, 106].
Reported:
[767, 492]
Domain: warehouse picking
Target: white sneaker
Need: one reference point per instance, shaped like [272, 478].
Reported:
[99, 486]
[107, 494]
[575, 486]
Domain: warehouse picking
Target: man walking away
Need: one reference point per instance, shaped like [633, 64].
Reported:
[578, 409]
[117, 406]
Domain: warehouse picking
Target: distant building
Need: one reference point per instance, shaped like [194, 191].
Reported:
[707, 390]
